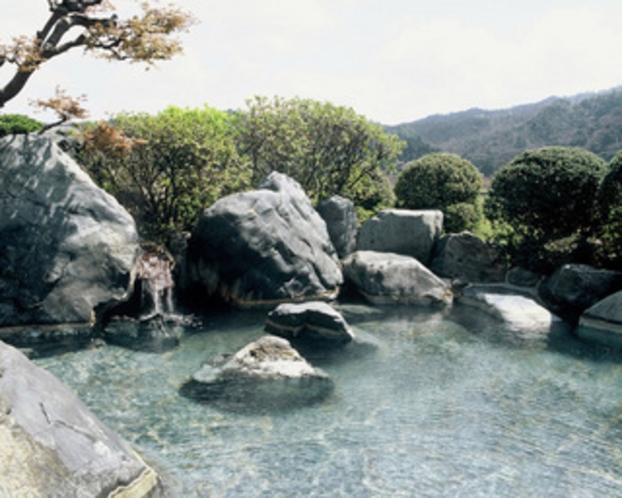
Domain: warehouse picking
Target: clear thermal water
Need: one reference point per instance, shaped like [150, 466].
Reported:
[431, 406]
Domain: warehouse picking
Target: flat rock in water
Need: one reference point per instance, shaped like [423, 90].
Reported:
[518, 313]
[265, 374]
[53, 446]
[602, 322]
[387, 278]
[316, 323]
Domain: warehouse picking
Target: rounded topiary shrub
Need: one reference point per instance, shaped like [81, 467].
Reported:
[610, 191]
[441, 181]
[460, 217]
[548, 192]
[545, 200]
[609, 214]
[11, 124]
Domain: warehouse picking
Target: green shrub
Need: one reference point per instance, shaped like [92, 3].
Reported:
[461, 216]
[547, 196]
[442, 181]
[165, 168]
[609, 204]
[547, 192]
[328, 149]
[11, 124]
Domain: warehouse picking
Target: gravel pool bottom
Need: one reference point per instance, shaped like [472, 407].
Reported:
[433, 405]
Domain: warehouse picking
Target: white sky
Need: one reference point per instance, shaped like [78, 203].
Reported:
[393, 61]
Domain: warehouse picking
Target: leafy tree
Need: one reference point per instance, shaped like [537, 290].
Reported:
[165, 168]
[545, 198]
[442, 181]
[94, 26]
[609, 204]
[18, 123]
[328, 149]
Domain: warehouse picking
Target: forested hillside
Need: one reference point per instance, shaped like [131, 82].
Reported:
[489, 139]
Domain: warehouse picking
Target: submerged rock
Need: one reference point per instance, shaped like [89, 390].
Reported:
[53, 446]
[386, 278]
[401, 231]
[602, 322]
[261, 248]
[315, 323]
[265, 374]
[67, 248]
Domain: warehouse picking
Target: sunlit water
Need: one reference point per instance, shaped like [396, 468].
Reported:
[434, 408]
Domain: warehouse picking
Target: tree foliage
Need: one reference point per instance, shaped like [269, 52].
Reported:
[546, 198]
[609, 212]
[11, 124]
[442, 181]
[94, 26]
[328, 149]
[64, 106]
[165, 168]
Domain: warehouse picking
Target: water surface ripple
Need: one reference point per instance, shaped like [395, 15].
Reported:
[439, 406]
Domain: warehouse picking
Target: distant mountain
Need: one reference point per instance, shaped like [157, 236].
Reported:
[490, 139]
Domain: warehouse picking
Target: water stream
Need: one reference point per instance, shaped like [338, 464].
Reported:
[433, 406]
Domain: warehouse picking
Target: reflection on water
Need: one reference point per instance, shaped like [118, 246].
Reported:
[432, 409]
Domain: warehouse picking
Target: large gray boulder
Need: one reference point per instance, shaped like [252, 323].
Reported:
[401, 231]
[342, 223]
[264, 247]
[67, 248]
[265, 374]
[53, 446]
[387, 278]
[468, 258]
[602, 322]
[573, 288]
[315, 323]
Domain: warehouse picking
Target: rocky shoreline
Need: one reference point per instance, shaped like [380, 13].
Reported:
[70, 260]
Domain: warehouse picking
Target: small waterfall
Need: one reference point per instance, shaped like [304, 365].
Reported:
[150, 321]
[156, 284]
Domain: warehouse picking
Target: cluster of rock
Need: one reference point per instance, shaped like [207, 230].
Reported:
[69, 253]
[270, 373]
